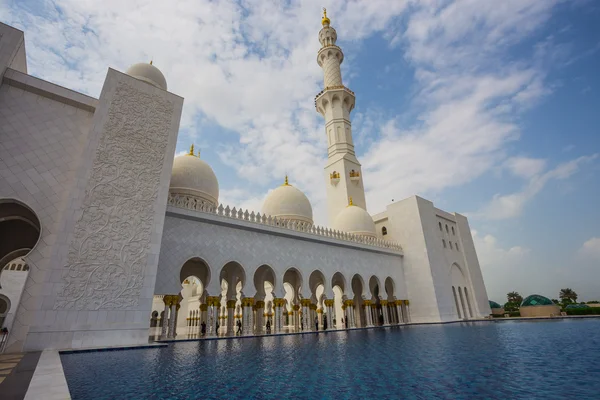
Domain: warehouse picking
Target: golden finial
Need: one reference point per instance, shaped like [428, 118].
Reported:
[198, 153]
[191, 153]
[286, 183]
[325, 20]
[350, 201]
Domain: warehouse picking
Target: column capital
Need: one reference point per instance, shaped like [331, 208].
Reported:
[384, 302]
[329, 302]
[399, 302]
[203, 307]
[296, 307]
[231, 303]
[367, 303]
[260, 304]
[305, 302]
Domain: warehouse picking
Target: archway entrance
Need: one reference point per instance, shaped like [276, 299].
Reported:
[19, 229]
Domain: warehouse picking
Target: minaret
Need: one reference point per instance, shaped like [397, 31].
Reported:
[343, 173]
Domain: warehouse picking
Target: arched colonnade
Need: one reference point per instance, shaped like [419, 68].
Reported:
[268, 303]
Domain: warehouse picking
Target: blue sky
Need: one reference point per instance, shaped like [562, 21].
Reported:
[489, 110]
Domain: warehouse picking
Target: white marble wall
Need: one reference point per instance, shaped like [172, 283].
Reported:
[414, 222]
[188, 234]
[59, 169]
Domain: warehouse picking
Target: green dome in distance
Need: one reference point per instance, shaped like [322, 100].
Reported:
[493, 304]
[536, 300]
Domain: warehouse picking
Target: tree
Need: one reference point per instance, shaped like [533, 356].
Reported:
[555, 301]
[514, 297]
[568, 296]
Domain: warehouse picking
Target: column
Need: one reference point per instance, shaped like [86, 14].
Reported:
[329, 304]
[177, 307]
[165, 318]
[277, 304]
[406, 304]
[230, 318]
[296, 317]
[306, 314]
[213, 305]
[260, 316]
[368, 313]
[314, 315]
[351, 313]
[203, 309]
[399, 311]
[385, 311]
[173, 312]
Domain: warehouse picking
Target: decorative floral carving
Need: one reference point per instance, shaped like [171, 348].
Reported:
[108, 254]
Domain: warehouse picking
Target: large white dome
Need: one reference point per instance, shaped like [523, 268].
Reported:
[288, 203]
[149, 74]
[192, 176]
[356, 220]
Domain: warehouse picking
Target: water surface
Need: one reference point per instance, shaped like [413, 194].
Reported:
[492, 360]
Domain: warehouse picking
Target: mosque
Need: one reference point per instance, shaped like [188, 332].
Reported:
[106, 236]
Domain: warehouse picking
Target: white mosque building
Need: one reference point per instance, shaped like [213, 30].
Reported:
[103, 233]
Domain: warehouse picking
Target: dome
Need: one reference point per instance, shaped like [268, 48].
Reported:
[287, 202]
[493, 304]
[536, 300]
[192, 176]
[149, 74]
[356, 220]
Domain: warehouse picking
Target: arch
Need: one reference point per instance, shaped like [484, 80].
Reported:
[293, 276]
[383, 231]
[315, 279]
[390, 288]
[374, 286]
[4, 308]
[264, 273]
[233, 273]
[197, 267]
[338, 280]
[358, 288]
[20, 230]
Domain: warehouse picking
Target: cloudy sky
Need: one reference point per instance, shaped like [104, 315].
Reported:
[488, 108]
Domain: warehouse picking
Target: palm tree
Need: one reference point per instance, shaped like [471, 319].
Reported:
[514, 297]
[568, 295]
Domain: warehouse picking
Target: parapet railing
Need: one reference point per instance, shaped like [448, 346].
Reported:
[193, 203]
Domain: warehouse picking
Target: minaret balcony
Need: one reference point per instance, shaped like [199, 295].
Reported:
[354, 176]
[334, 178]
[327, 96]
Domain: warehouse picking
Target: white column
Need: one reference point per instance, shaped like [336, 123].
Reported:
[368, 313]
[399, 310]
[172, 319]
[386, 312]
[230, 317]
[165, 318]
[213, 316]
[260, 318]
[329, 305]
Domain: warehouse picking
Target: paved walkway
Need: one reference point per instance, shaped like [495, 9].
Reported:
[48, 382]
[16, 371]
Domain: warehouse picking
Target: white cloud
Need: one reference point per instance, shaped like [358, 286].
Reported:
[512, 205]
[590, 249]
[249, 67]
[525, 167]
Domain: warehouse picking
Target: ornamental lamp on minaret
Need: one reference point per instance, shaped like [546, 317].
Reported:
[343, 174]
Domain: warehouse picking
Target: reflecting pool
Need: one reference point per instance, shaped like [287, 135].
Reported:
[493, 360]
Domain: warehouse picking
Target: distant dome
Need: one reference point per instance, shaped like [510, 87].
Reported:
[148, 73]
[356, 220]
[288, 203]
[493, 304]
[192, 176]
[536, 300]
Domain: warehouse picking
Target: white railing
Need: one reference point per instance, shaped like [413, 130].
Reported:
[193, 203]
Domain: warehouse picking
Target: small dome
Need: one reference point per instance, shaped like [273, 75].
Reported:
[149, 74]
[493, 304]
[356, 220]
[192, 176]
[288, 203]
[536, 300]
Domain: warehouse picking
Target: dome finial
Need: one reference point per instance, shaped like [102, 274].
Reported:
[191, 153]
[350, 201]
[286, 183]
[325, 20]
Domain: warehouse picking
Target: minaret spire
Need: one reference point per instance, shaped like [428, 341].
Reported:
[335, 103]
